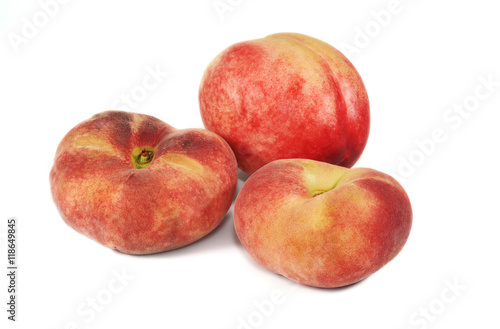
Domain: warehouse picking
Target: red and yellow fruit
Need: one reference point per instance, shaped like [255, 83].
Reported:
[135, 184]
[286, 96]
[320, 224]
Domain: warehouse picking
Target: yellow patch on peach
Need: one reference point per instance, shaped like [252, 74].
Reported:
[136, 122]
[180, 160]
[318, 179]
[93, 142]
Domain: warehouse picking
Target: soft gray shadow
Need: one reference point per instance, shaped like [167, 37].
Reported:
[242, 176]
[236, 240]
[335, 290]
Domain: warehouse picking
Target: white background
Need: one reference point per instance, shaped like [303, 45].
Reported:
[429, 57]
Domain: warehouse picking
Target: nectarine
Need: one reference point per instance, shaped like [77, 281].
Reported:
[286, 96]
